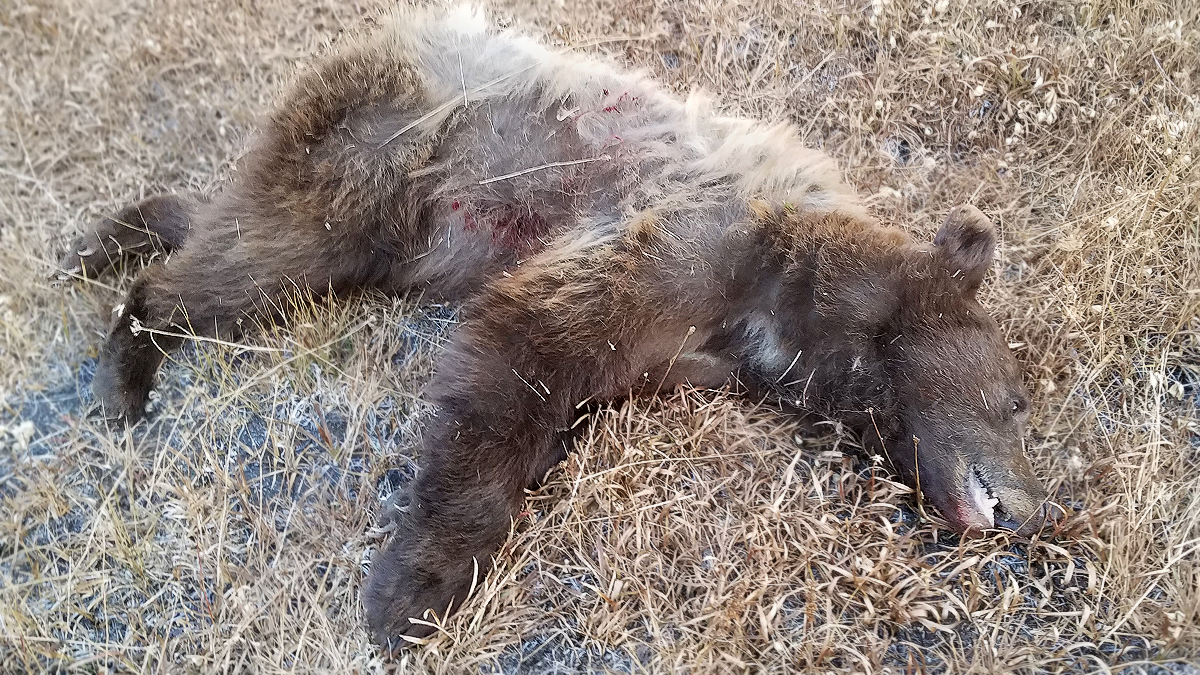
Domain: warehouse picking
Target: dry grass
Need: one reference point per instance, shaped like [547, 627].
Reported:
[695, 533]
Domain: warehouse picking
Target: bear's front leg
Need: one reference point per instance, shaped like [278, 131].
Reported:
[560, 330]
[494, 436]
[459, 513]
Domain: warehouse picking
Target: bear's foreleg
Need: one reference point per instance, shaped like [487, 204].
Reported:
[556, 333]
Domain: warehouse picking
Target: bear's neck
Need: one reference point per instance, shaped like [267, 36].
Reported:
[804, 292]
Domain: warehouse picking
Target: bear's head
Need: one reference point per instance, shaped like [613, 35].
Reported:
[961, 406]
[912, 360]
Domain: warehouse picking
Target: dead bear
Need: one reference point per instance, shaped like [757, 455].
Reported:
[608, 239]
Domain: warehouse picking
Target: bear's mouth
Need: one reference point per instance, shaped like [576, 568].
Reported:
[986, 507]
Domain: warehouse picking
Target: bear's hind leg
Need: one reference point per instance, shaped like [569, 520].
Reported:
[159, 224]
[233, 272]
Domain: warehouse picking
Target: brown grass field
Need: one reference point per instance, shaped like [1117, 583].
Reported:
[696, 533]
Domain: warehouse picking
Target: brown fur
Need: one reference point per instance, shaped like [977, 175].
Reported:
[643, 243]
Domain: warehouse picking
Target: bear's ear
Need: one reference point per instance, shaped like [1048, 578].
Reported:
[965, 246]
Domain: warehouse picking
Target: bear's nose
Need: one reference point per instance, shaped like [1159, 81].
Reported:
[1048, 514]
